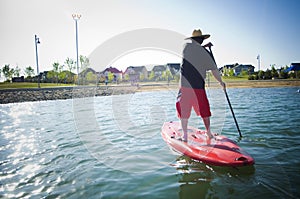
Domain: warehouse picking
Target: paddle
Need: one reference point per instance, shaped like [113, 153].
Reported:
[209, 45]
[237, 126]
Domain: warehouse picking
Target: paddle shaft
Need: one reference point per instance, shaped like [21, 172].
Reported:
[237, 126]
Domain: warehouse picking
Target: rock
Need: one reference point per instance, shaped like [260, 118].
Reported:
[23, 95]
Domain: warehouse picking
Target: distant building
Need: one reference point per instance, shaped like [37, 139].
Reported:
[174, 68]
[135, 73]
[86, 71]
[158, 70]
[88, 75]
[237, 69]
[240, 68]
[118, 75]
[294, 67]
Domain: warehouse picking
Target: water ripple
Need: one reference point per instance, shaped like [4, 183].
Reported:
[46, 154]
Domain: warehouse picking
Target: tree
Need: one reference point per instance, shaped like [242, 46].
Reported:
[126, 77]
[62, 76]
[110, 76]
[243, 73]
[71, 65]
[51, 75]
[17, 71]
[225, 71]
[142, 77]
[261, 74]
[282, 73]
[231, 72]
[84, 62]
[29, 71]
[268, 74]
[55, 66]
[91, 77]
[55, 70]
[8, 72]
[167, 75]
[274, 72]
[152, 75]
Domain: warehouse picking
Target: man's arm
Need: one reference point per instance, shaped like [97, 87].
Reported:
[216, 74]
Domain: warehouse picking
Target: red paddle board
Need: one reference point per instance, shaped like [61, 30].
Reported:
[220, 151]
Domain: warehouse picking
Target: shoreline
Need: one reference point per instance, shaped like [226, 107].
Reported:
[59, 93]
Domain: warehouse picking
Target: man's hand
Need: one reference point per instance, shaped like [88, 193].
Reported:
[208, 45]
[223, 85]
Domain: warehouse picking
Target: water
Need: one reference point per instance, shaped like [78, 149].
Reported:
[110, 147]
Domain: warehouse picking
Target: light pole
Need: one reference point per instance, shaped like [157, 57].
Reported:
[76, 17]
[258, 61]
[37, 41]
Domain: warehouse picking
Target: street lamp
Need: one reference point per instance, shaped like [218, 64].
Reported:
[258, 61]
[37, 41]
[76, 17]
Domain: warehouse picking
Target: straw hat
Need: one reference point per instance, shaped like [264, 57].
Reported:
[198, 33]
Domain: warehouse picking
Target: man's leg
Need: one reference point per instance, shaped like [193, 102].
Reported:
[184, 124]
[206, 121]
[184, 107]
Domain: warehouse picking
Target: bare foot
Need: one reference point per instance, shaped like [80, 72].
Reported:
[185, 137]
[209, 135]
[182, 139]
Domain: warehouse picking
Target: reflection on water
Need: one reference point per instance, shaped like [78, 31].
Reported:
[197, 179]
[111, 147]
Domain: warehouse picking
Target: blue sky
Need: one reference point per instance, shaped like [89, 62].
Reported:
[240, 29]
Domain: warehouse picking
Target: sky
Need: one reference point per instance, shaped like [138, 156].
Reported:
[240, 29]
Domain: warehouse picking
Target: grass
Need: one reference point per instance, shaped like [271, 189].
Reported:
[237, 78]
[235, 81]
[15, 85]
[229, 78]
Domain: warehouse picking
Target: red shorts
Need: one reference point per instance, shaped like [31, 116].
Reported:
[195, 98]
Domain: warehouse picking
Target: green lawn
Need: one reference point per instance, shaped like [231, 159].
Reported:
[16, 85]
[238, 78]
[229, 79]
[6, 85]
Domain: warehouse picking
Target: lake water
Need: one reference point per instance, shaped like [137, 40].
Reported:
[111, 147]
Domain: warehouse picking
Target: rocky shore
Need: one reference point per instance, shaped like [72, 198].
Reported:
[59, 93]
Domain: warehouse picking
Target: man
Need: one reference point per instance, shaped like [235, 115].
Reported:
[196, 61]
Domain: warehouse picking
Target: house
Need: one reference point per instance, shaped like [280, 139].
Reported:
[136, 73]
[293, 67]
[174, 68]
[86, 71]
[241, 67]
[225, 70]
[236, 69]
[87, 75]
[158, 71]
[118, 75]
